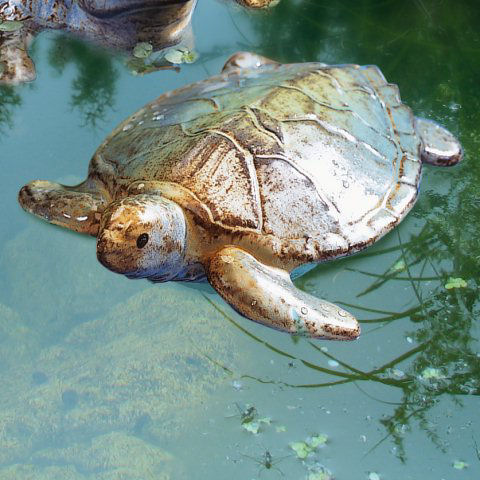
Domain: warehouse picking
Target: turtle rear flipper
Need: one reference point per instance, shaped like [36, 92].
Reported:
[268, 296]
[440, 147]
[75, 208]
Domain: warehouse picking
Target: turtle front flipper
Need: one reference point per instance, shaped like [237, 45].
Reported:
[241, 60]
[75, 208]
[440, 147]
[267, 295]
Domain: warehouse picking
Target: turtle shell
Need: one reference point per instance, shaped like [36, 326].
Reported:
[326, 157]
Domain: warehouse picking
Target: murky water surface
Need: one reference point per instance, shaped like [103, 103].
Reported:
[106, 378]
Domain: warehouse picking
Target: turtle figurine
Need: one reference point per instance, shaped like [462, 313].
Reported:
[249, 177]
[114, 24]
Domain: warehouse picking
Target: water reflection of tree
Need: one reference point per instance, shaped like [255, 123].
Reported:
[94, 85]
[9, 98]
[444, 360]
[435, 58]
[418, 43]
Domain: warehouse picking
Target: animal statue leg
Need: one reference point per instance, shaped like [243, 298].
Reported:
[15, 65]
[268, 296]
[241, 60]
[75, 208]
[440, 147]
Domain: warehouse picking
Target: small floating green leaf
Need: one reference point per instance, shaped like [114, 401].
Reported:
[281, 429]
[252, 427]
[459, 465]
[301, 449]
[180, 55]
[323, 475]
[10, 26]
[317, 440]
[142, 50]
[455, 283]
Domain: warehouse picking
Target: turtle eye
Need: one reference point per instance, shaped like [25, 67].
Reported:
[142, 240]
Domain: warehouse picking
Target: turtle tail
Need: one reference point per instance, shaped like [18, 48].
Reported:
[76, 208]
[439, 146]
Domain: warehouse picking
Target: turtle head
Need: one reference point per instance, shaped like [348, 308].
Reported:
[142, 236]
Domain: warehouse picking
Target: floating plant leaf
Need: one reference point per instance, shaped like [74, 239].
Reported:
[322, 475]
[142, 50]
[301, 449]
[455, 283]
[281, 429]
[265, 420]
[252, 427]
[373, 476]
[10, 26]
[459, 465]
[317, 440]
[180, 55]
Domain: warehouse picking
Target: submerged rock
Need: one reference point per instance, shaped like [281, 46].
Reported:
[53, 285]
[112, 456]
[17, 342]
[147, 358]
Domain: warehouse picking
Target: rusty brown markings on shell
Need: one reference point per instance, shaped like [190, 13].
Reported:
[254, 131]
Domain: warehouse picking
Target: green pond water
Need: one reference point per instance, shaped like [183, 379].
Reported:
[107, 378]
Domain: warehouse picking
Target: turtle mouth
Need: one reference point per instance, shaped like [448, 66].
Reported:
[111, 256]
